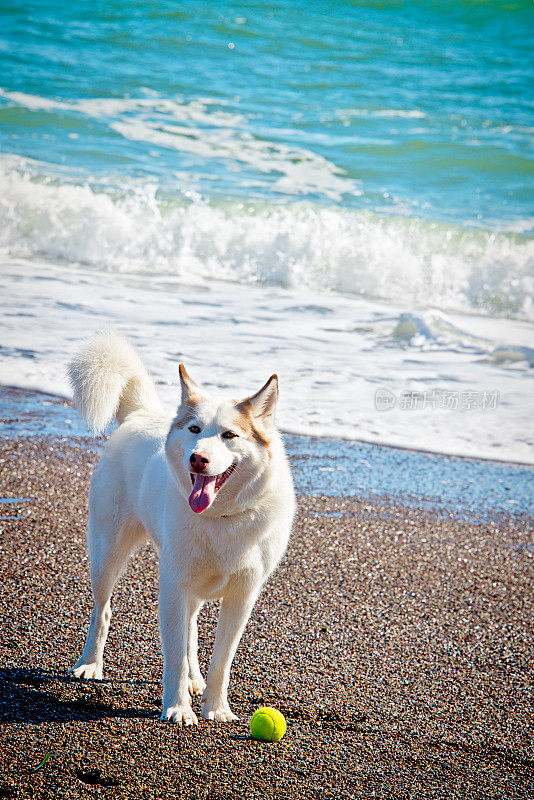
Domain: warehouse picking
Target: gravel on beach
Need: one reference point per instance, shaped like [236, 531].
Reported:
[397, 642]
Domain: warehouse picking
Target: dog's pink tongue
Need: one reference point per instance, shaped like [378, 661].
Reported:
[203, 493]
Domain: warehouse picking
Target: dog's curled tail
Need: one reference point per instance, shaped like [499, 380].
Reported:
[109, 381]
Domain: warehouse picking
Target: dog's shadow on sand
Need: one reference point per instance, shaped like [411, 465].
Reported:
[30, 695]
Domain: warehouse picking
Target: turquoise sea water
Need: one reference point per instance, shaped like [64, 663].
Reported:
[395, 136]
[411, 121]
[414, 108]
[340, 192]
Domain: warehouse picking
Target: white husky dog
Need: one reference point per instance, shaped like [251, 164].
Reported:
[211, 488]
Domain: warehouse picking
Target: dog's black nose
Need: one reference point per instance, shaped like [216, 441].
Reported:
[198, 460]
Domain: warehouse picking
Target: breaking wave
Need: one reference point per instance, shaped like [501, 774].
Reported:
[142, 228]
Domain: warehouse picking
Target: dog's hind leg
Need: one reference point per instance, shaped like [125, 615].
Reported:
[110, 547]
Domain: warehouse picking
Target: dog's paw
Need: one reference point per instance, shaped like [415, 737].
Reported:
[182, 714]
[196, 685]
[91, 671]
[219, 712]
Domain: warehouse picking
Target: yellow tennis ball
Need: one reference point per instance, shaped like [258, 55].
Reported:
[267, 724]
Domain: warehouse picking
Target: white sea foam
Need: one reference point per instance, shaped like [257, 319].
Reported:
[448, 386]
[198, 110]
[143, 230]
[206, 131]
[301, 170]
[388, 113]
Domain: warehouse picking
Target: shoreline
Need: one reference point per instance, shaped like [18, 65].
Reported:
[441, 391]
[396, 642]
[319, 438]
[473, 488]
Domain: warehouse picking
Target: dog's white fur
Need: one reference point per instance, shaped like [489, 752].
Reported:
[140, 488]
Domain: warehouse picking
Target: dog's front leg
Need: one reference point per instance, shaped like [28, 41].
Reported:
[197, 684]
[234, 614]
[174, 612]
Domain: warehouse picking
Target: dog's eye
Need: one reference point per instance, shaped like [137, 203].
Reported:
[194, 429]
[229, 435]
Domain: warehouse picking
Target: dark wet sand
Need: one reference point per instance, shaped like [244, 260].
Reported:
[397, 643]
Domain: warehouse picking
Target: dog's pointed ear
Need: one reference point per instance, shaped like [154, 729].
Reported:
[262, 405]
[190, 391]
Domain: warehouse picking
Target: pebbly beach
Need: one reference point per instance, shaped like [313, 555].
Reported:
[395, 639]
